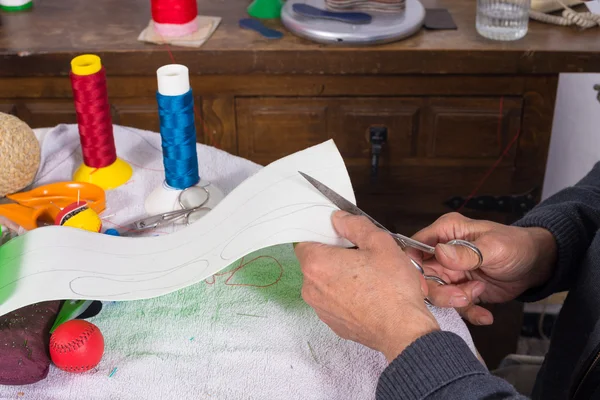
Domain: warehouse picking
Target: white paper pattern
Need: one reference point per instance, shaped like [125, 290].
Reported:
[276, 205]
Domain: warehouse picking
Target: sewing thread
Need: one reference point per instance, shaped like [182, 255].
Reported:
[174, 18]
[178, 135]
[90, 95]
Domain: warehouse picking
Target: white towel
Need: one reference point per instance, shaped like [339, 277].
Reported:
[244, 334]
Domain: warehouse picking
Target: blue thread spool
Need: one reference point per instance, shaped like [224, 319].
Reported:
[177, 126]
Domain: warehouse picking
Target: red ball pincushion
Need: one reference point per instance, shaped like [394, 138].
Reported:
[76, 346]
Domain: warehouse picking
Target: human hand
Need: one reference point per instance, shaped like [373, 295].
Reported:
[514, 260]
[372, 295]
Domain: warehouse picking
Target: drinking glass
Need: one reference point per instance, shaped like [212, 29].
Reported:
[503, 19]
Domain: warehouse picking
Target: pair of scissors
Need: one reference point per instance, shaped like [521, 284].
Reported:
[39, 206]
[188, 206]
[401, 240]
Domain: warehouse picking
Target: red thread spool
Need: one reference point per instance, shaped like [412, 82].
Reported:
[174, 11]
[88, 81]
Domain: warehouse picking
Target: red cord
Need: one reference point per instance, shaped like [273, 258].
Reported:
[94, 119]
[492, 169]
[174, 11]
[500, 115]
[497, 163]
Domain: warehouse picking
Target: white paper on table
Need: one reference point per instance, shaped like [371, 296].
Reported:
[274, 206]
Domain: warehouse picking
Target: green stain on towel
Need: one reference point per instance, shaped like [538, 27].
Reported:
[216, 315]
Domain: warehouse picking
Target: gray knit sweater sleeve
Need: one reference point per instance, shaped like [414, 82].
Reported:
[440, 366]
[573, 217]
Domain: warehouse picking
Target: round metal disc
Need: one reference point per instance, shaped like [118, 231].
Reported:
[384, 27]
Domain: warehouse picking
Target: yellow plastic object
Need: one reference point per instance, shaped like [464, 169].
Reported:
[46, 202]
[107, 178]
[79, 215]
[86, 64]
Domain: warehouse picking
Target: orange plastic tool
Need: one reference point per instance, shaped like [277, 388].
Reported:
[42, 204]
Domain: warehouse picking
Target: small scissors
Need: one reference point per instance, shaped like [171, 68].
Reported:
[188, 201]
[401, 240]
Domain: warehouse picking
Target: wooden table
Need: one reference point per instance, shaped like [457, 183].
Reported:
[452, 101]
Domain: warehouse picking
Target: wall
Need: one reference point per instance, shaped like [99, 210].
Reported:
[575, 142]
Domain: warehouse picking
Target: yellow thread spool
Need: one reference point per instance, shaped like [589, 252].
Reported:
[118, 172]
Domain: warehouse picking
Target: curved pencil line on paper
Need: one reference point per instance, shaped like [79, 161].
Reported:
[195, 237]
[132, 256]
[98, 274]
[126, 268]
[161, 273]
[187, 282]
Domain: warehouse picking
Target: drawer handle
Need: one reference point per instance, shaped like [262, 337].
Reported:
[377, 137]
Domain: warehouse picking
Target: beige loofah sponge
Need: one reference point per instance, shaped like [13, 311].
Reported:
[19, 154]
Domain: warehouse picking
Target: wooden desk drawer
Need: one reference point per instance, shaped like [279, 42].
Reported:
[421, 192]
[437, 147]
[419, 129]
[270, 128]
[467, 128]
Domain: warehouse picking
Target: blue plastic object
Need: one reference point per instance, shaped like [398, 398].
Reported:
[348, 17]
[256, 25]
[112, 232]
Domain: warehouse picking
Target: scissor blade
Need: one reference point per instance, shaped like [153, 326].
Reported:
[345, 205]
[338, 200]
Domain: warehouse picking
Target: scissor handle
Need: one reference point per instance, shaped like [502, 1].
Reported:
[428, 277]
[437, 279]
[470, 246]
[183, 206]
[404, 242]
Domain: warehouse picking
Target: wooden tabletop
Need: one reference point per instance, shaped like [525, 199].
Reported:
[43, 41]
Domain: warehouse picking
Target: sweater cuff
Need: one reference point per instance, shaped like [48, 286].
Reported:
[566, 234]
[431, 362]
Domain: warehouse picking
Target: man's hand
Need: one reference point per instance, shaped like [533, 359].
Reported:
[372, 295]
[514, 260]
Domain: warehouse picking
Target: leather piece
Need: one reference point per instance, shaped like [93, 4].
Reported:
[24, 340]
